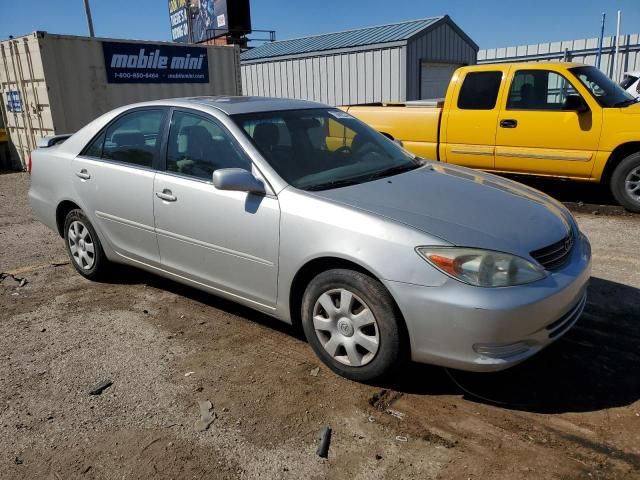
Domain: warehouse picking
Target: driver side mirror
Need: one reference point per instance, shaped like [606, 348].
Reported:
[237, 179]
[575, 103]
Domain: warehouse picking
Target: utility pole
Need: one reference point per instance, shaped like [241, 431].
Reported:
[87, 10]
[599, 58]
[616, 77]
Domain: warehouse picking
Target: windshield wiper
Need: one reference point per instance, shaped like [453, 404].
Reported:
[332, 184]
[626, 103]
[391, 171]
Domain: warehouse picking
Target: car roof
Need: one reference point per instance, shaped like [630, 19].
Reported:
[233, 105]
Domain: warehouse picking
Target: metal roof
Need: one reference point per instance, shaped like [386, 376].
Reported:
[359, 37]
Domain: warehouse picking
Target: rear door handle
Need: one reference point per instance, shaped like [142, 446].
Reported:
[166, 195]
[508, 123]
[83, 174]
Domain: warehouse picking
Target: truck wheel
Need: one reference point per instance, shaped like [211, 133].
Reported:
[83, 246]
[352, 324]
[625, 183]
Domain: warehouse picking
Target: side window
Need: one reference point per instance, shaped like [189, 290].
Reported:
[539, 90]
[132, 138]
[479, 91]
[199, 146]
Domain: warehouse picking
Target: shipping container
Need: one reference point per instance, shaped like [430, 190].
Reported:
[55, 84]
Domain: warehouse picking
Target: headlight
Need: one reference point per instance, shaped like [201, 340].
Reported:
[482, 268]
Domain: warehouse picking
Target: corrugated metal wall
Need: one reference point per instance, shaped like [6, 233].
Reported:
[338, 79]
[582, 51]
[442, 44]
[62, 83]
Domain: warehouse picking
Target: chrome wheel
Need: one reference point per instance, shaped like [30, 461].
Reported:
[81, 245]
[632, 184]
[346, 327]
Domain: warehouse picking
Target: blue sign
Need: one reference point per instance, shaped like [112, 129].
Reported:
[14, 102]
[144, 63]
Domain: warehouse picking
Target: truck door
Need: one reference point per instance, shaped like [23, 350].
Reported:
[470, 117]
[542, 130]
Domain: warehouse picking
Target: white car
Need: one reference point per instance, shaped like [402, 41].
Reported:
[631, 83]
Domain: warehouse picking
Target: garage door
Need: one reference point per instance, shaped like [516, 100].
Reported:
[435, 79]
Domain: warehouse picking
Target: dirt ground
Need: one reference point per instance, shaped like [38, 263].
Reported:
[571, 412]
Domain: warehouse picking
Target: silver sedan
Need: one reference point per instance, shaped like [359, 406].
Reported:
[303, 212]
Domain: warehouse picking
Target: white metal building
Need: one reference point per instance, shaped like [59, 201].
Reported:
[395, 62]
[583, 50]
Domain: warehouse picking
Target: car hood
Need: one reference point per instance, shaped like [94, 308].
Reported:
[463, 207]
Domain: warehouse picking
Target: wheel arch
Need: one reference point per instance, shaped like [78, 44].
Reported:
[315, 266]
[62, 210]
[617, 155]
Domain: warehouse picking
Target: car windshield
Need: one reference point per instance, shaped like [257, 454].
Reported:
[319, 149]
[606, 92]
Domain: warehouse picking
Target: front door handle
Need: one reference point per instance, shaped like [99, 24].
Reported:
[83, 174]
[509, 123]
[166, 195]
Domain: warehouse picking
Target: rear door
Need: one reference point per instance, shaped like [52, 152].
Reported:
[537, 134]
[470, 117]
[114, 179]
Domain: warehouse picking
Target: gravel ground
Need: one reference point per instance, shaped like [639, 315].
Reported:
[571, 412]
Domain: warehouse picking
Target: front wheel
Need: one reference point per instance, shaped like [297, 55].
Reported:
[352, 324]
[625, 183]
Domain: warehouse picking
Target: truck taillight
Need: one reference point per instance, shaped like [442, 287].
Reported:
[29, 164]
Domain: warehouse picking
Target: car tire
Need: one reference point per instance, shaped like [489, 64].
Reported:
[362, 341]
[83, 246]
[625, 183]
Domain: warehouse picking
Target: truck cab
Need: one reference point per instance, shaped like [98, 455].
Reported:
[563, 120]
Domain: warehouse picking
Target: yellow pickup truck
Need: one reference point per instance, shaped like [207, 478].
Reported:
[564, 120]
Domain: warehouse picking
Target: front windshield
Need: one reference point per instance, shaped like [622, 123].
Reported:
[606, 92]
[318, 149]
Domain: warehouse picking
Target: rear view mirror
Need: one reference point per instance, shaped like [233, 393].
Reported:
[237, 179]
[575, 103]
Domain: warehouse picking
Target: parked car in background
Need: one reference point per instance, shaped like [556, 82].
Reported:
[378, 255]
[563, 120]
[631, 83]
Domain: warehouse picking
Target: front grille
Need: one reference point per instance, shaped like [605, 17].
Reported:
[556, 254]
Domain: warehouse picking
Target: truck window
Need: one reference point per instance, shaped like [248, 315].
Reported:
[539, 90]
[479, 91]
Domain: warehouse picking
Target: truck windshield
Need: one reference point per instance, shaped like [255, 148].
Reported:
[319, 149]
[606, 92]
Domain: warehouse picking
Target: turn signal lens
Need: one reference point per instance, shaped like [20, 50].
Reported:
[482, 268]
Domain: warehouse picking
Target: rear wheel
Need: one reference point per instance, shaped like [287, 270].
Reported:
[352, 324]
[625, 183]
[83, 246]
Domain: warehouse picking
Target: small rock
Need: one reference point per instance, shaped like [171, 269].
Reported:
[371, 419]
[23, 282]
[43, 330]
[402, 438]
[595, 212]
[206, 415]
[18, 461]
[199, 389]
[188, 374]
[378, 456]
[314, 372]
[100, 387]
[145, 311]
[225, 409]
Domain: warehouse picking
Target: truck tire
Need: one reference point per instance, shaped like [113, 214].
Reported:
[84, 247]
[352, 324]
[625, 182]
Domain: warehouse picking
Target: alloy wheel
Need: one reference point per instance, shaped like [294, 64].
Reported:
[632, 184]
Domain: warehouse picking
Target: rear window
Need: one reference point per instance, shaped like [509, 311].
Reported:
[627, 81]
[479, 91]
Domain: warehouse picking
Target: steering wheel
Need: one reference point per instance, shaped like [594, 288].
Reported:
[344, 149]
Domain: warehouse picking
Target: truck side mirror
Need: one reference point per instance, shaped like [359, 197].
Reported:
[575, 103]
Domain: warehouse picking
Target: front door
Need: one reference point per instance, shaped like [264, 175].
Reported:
[226, 240]
[538, 134]
[114, 180]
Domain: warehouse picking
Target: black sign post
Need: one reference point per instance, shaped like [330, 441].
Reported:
[145, 63]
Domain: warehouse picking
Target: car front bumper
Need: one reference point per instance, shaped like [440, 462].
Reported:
[488, 329]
